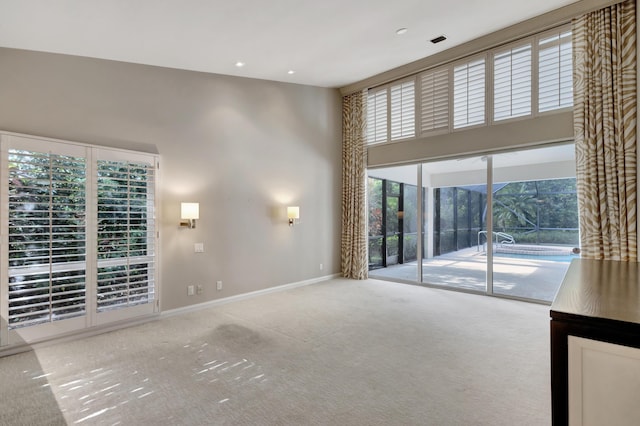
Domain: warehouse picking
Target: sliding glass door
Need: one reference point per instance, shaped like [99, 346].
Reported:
[504, 224]
[535, 209]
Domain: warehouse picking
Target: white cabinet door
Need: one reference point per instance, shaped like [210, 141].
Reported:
[604, 383]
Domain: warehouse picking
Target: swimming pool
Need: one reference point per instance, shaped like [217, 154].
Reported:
[536, 252]
[554, 258]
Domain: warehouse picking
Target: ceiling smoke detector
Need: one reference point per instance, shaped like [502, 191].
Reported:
[438, 39]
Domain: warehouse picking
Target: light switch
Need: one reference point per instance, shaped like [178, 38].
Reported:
[198, 247]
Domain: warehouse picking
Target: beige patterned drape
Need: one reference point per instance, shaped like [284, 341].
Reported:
[604, 80]
[354, 208]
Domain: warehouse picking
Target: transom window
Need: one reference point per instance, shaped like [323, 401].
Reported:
[529, 77]
[468, 93]
[403, 110]
[512, 83]
[555, 81]
[434, 100]
[391, 112]
[377, 116]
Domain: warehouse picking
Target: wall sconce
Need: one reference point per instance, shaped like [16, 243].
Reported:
[293, 213]
[189, 212]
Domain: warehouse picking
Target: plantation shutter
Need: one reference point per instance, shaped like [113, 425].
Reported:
[434, 100]
[47, 236]
[126, 233]
[377, 116]
[403, 110]
[512, 83]
[469, 94]
[555, 68]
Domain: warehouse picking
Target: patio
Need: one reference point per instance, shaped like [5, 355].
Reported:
[528, 278]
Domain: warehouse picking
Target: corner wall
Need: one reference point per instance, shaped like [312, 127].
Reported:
[243, 148]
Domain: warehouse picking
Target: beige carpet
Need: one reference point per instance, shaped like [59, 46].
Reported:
[341, 352]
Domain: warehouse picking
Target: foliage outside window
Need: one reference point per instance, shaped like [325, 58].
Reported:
[538, 212]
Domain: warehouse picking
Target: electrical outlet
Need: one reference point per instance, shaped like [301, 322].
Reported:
[198, 247]
[219, 285]
[321, 266]
[199, 289]
[190, 290]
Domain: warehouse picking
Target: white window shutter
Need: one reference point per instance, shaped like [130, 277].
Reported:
[555, 68]
[47, 237]
[469, 94]
[377, 116]
[126, 233]
[512, 83]
[403, 119]
[434, 100]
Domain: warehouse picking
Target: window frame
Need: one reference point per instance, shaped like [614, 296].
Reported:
[487, 87]
[419, 106]
[537, 37]
[374, 92]
[91, 317]
[533, 68]
[390, 114]
[387, 89]
[104, 316]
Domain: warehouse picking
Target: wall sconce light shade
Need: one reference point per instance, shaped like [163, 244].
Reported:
[293, 213]
[189, 212]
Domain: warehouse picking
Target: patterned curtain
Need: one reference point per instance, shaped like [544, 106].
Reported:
[604, 80]
[354, 206]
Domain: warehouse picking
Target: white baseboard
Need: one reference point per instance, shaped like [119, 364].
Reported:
[244, 296]
[75, 335]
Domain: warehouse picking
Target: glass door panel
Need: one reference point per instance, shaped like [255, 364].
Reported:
[535, 221]
[453, 221]
[393, 201]
[374, 198]
[410, 223]
[393, 222]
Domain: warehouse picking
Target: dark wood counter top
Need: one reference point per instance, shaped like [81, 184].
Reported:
[598, 300]
[600, 290]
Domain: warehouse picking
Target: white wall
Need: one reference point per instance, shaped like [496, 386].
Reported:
[482, 140]
[244, 149]
[405, 174]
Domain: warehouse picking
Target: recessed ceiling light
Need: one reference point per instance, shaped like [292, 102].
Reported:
[291, 72]
[239, 64]
[438, 39]
[401, 31]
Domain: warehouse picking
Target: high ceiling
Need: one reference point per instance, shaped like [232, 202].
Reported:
[328, 43]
